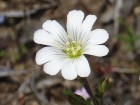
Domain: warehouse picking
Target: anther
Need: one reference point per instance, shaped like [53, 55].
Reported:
[78, 48]
[67, 43]
[68, 49]
[73, 42]
[74, 52]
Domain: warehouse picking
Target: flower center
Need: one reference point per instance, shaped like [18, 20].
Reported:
[73, 49]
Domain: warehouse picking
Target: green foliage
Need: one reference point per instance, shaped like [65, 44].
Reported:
[76, 99]
[22, 49]
[130, 38]
[102, 86]
[2, 53]
[14, 53]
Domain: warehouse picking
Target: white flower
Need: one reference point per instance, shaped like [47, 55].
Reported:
[65, 50]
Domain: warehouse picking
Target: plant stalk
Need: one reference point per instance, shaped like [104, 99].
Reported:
[34, 95]
[88, 89]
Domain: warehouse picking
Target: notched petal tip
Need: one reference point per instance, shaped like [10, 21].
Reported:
[41, 37]
[44, 55]
[105, 33]
[51, 68]
[97, 50]
[74, 14]
[84, 75]
[87, 24]
[37, 60]
[46, 24]
[69, 71]
[106, 51]
[67, 78]
[92, 16]
[72, 11]
[98, 36]
[36, 34]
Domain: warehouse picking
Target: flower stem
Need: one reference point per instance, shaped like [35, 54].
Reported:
[35, 95]
[87, 87]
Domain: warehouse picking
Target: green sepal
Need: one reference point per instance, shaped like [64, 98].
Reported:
[104, 84]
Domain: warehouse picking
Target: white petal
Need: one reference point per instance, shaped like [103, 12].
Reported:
[53, 67]
[55, 29]
[99, 36]
[69, 71]
[87, 24]
[96, 50]
[46, 54]
[74, 23]
[42, 37]
[82, 67]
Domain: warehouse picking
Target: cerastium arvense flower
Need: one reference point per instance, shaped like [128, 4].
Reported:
[65, 50]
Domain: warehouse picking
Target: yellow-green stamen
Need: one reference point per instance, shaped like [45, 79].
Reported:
[73, 49]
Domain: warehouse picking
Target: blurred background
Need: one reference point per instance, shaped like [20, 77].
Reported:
[23, 82]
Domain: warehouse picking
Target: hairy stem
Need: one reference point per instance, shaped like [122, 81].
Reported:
[87, 87]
